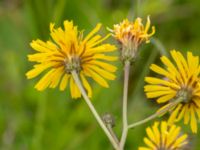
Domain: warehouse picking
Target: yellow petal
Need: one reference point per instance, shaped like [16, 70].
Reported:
[106, 66]
[104, 57]
[163, 131]
[173, 135]
[101, 40]
[95, 30]
[181, 114]
[96, 77]
[197, 110]
[179, 142]
[64, 81]
[41, 46]
[166, 98]
[174, 114]
[75, 93]
[193, 122]
[144, 148]
[168, 63]
[161, 71]
[102, 72]
[155, 88]
[159, 93]
[149, 143]
[186, 115]
[56, 77]
[151, 134]
[179, 64]
[156, 132]
[102, 48]
[93, 40]
[197, 101]
[45, 81]
[37, 70]
[152, 80]
[86, 85]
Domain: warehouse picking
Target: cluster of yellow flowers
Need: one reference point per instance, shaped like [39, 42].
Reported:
[69, 51]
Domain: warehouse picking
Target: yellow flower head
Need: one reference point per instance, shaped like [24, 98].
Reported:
[69, 51]
[134, 31]
[180, 80]
[131, 34]
[161, 136]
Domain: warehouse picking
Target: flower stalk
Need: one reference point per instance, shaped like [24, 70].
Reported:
[157, 114]
[93, 110]
[124, 109]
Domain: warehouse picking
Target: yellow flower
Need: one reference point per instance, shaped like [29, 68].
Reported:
[161, 136]
[70, 51]
[179, 81]
[131, 34]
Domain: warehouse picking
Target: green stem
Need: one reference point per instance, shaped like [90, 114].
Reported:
[93, 110]
[124, 109]
[112, 133]
[158, 113]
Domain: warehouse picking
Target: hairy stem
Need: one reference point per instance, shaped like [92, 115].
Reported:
[158, 113]
[93, 110]
[124, 109]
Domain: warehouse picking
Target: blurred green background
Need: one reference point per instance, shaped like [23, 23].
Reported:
[51, 120]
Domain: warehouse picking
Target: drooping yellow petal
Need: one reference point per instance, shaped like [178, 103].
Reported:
[181, 114]
[56, 77]
[64, 81]
[186, 115]
[45, 81]
[75, 92]
[193, 122]
[174, 114]
[37, 70]
[86, 85]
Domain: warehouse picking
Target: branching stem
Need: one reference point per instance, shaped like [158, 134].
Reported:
[158, 113]
[93, 110]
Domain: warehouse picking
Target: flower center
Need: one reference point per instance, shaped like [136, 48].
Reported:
[186, 94]
[72, 63]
